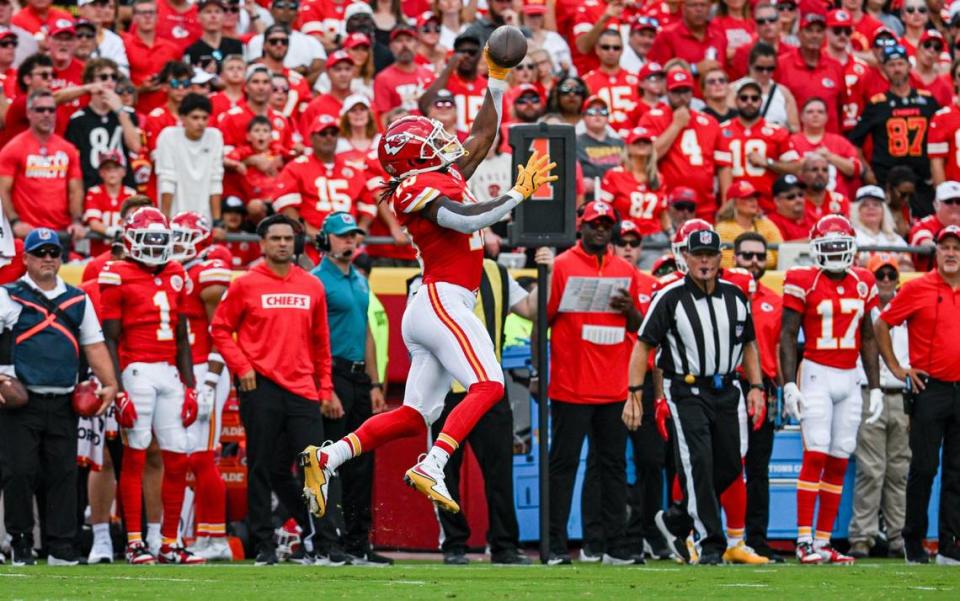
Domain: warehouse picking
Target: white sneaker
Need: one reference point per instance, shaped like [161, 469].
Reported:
[216, 549]
[587, 557]
[427, 477]
[56, 561]
[153, 545]
[943, 560]
[199, 544]
[101, 552]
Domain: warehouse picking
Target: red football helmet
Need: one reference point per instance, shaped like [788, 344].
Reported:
[833, 243]
[147, 237]
[219, 251]
[416, 144]
[191, 234]
[679, 243]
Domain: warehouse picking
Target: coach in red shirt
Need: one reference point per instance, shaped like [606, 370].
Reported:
[929, 306]
[281, 386]
[810, 73]
[692, 39]
[589, 355]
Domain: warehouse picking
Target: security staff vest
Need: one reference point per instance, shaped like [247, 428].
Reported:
[490, 308]
[44, 345]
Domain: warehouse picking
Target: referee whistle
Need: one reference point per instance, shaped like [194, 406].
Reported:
[689, 379]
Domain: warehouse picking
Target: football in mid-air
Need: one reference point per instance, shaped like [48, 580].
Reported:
[85, 399]
[507, 46]
[13, 392]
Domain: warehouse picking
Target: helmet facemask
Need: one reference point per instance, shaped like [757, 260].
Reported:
[438, 145]
[185, 242]
[150, 246]
[834, 252]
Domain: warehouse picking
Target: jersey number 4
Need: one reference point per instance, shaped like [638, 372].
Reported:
[848, 306]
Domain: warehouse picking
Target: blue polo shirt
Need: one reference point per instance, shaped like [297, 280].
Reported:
[348, 296]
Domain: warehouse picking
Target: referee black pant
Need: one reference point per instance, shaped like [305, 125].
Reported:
[934, 421]
[38, 453]
[492, 442]
[757, 468]
[603, 426]
[706, 442]
[644, 498]
[350, 493]
[279, 424]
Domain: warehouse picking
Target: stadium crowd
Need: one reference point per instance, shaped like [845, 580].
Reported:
[213, 118]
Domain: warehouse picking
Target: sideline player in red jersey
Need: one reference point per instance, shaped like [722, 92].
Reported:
[831, 301]
[734, 498]
[429, 169]
[142, 298]
[208, 276]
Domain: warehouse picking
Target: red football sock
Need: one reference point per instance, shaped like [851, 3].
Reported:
[171, 492]
[734, 502]
[131, 491]
[808, 484]
[210, 494]
[401, 422]
[676, 492]
[480, 398]
[831, 489]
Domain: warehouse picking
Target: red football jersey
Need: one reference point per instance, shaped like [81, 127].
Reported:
[200, 276]
[233, 125]
[621, 93]
[393, 87]
[468, 96]
[148, 302]
[692, 159]
[836, 144]
[833, 204]
[588, 14]
[243, 253]
[183, 28]
[317, 189]
[922, 232]
[157, 120]
[770, 142]
[634, 200]
[100, 205]
[148, 61]
[767, 311]
[943, 140]
[221, 103]
[832, 311]
[446, 255]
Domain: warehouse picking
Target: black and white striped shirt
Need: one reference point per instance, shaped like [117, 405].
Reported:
[695, 333]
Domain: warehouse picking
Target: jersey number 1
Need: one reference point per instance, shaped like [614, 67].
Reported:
[160, 301]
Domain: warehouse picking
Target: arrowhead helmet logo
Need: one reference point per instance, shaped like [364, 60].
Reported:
[395, 143]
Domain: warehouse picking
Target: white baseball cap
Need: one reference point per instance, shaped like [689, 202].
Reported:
[947, 190]
[353, 100]
[870, 192]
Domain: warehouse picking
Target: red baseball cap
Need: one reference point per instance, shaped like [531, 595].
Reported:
[931, 34]
[638, 134]
[594, 100]
[650, 68]
[355, 39]
[534, 7]
[741, 189]
[678, 78]
[600, 210]
[879, 31]
[950, 230]
[642, 22]
[839, 18]
[683, 194]
[61, 26]
[7, 33]
[402, 29]
[813, 18]
[110, 156]
[426, 17]
[627, 226]
[324, 121]
[527, 88]
[340, 56]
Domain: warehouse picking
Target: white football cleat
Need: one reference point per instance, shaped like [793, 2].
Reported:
[216, 549]
[101, 553]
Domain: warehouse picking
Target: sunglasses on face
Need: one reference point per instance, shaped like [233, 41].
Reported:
[767, 21]
[749, 256]
[610, 47]
[9, 43]
[719, 81]
[935, 46]
[327, 132]
[915, 9]
[177, 84]
[749, 98]
[278, 41]
[86, 35]
[841, 31]
[46, 252]
[144, 13]
[791, 196]
[44, 75]
[887, 274]
[106, 77]
[528, 100]
[430, 29]
[281, 90]
[884, 42]
[764, 69]
[951, 201]
[630, 243]
[525, 67]
[596, 112]
[125, 90]
[468, 51]
[786, 8]
[44, 110]
[286, 5]
[444, 104]
[685, 206]
[571, 89]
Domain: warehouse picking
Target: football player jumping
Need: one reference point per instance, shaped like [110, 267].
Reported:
[429, 169]
[142, 298]
[208, 276]
[831, 301]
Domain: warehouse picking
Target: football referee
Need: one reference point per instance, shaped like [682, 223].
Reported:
[703, 328]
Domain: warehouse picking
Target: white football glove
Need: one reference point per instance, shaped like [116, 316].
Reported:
[113, 232]
[792, 400]
[876, 406]
[206, 400]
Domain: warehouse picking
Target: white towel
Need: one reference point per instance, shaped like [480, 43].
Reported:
[7, 248]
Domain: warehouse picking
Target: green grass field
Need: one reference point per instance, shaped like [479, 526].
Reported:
[878, 579]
